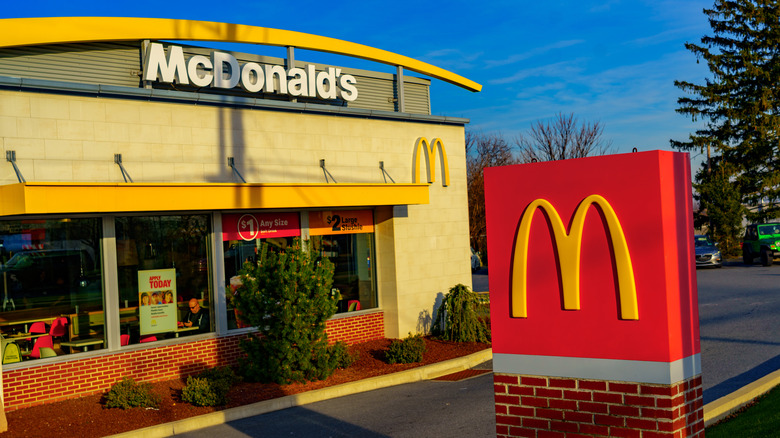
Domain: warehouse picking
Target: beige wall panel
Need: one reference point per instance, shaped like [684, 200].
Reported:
[156, 115]
[123, 111]
[93, 170]
[134, 153]
[146, 134]
[155, 172]
[14, 103]
[92, 110]
[167, 153]
[188, 172]
[175, 134]
[8, 127]
[75, 130]
[36, 128]
[25, 147]
[199, 154]
[63, 150]
[49, 108]
[48, 170]
[210, 137]
[113, 131]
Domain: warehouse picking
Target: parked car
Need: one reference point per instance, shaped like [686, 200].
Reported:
[476, 263]
[763, 241]
[707, 252]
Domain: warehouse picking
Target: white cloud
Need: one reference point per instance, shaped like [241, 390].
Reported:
[532, 53]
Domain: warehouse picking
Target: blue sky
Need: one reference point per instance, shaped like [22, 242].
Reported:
[612, 61]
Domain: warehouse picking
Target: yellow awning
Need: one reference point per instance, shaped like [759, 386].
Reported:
[76, 197]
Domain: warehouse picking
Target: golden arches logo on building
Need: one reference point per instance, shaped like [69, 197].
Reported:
[430, 158]
[569, 248]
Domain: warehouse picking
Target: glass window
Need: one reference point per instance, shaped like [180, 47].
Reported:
[52, 287]
[163, 276]
[346, 237]
[242, 235]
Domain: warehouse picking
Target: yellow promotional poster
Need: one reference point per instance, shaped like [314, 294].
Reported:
[157, 299]
[341, 222]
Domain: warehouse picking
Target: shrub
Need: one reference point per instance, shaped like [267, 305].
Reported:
[210, 388]
[458, 318]
[408, 350]
[340, 355]
[127, 394]
[287, 296]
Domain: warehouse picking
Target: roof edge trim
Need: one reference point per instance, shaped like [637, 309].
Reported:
[62, 30]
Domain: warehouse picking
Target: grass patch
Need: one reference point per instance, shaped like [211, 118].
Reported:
[760, 419]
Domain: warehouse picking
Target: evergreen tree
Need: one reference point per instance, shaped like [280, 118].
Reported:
[740, 106]
[720, 206]
[287, 296]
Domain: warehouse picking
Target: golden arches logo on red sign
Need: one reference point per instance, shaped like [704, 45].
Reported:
[569, 248]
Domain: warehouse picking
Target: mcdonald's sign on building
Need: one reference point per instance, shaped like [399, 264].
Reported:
[593, 296]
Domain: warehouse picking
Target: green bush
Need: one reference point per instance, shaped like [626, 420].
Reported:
[408, 350]
[287, 296]
[127, 394]
[340, 355]
[210, 388]
[460, 317]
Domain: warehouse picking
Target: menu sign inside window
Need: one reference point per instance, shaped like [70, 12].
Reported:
[341, 222]
[251, 226]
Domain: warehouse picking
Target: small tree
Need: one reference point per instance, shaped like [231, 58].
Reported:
[719, 205]
[287, 296]
[457, 319]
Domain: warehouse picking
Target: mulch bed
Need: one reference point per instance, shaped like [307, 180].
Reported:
[86, 417]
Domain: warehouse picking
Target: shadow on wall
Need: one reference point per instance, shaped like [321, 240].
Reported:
[425, 320]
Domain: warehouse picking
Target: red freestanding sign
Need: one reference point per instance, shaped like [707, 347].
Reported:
[591, 266]
[593, 299]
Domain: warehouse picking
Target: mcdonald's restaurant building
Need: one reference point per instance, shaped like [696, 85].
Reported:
[141, 173]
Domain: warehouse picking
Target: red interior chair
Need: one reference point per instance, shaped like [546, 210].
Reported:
[58, 327]
[124, 340]
[353, 305]
[148, 339]
[38, 327]
[43, 341]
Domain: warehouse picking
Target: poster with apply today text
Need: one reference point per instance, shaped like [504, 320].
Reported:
[157, 301]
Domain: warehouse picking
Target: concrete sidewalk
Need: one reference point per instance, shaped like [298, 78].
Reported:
[713, 411]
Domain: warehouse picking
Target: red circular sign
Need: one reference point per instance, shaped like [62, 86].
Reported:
[248, 227]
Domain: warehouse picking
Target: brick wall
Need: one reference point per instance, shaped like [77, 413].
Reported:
[535, 406]
[57, 381]
[356, 329]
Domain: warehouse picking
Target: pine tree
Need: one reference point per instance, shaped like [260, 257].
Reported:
[740, 102]
[287, 296]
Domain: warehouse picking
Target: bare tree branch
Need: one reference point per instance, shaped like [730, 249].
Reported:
[482, 150]
[561, 139]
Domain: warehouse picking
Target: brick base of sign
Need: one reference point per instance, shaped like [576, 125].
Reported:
[537, 406]
[65, 379]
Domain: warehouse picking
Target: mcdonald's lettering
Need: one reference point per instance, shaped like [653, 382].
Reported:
[430, 158]
[569, 246]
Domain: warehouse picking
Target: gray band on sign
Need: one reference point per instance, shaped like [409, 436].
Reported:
[599, 369]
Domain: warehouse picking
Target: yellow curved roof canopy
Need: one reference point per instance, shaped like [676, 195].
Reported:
[59, 30]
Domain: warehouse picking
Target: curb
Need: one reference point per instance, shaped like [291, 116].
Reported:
[426, 372]
[713, 411]
[728, 404]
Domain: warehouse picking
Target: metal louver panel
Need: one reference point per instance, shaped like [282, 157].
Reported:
[119, 64]
[416, 98]
[95, 63]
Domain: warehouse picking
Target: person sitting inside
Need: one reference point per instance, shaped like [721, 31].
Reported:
[197, 317]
